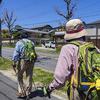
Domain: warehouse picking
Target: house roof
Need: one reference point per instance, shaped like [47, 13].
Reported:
[41, 26]
[95, 22]
[36, 31]
[58, 27]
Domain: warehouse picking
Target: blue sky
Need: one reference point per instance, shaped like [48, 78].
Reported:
[31, 13]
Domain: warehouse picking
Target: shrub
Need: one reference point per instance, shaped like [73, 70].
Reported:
[58, 48]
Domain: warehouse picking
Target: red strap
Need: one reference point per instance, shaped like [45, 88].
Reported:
[75, 31]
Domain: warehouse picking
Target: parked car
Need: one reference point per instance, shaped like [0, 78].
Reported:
[50, 44]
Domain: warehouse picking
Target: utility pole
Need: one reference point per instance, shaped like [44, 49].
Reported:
[0, 30]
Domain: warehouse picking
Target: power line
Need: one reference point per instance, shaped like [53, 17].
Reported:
[40, 23]
[43, 13]
[50, 11]
[29, 5]
[59, 20]
[91, 12]
[87, 16]
[53, 21]
[91, 15]
[90, 5]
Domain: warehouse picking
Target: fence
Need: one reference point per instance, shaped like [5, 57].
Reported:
[37, 41]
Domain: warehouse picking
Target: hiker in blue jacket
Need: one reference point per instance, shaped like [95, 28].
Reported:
[23, 67]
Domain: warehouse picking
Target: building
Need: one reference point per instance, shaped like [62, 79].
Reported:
[60, 32]
[44, 30]
[93, 29]
[95, 24]
[40, 34]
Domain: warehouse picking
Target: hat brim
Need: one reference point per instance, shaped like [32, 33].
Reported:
[75, 35]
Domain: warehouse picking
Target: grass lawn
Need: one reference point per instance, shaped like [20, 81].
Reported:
[10, 46]
[40, 76]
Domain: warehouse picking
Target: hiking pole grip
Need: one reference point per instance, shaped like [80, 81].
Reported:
[47, 91]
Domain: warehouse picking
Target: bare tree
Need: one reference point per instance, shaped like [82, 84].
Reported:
[9, 21]
[70, 9]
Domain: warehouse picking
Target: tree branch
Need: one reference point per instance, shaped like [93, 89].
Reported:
[70, 9]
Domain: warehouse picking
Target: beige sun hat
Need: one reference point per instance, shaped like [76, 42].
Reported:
[74, 29]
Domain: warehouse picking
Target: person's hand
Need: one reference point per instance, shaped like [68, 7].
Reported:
[14, 67]
[46, 90]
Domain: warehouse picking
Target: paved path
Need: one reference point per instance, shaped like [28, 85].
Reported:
[8, 89]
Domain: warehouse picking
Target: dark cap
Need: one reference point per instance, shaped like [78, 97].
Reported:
[24, 34]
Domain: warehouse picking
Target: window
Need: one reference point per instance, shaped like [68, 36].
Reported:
[92, 26]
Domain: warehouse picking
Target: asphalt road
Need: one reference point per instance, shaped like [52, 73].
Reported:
[45, 61]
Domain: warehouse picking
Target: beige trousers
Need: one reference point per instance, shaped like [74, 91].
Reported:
[28, 68]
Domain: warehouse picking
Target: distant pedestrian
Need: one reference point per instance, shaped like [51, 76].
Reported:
[68, 58]
[23, 66]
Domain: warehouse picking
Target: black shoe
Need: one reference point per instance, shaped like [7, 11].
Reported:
[28, 97]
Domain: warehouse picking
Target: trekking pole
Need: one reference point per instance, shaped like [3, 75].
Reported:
[19, 83]
[35, 87]
[49, 96]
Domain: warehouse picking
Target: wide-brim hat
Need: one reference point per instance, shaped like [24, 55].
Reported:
[74, 29]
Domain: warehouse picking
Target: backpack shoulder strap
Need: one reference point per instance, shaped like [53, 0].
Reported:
[76, 43]
[23, 41]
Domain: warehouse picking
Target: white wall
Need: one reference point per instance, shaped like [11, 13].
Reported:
[60, 32]
[91, 31]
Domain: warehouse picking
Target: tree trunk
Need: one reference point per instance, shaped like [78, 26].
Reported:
[0, 32]
[9, 36]
[9, 40]
[0, 40]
